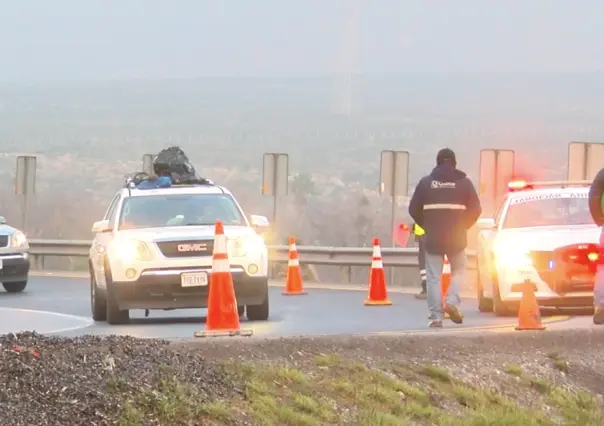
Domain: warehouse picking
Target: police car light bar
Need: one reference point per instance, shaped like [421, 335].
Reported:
[518, 185]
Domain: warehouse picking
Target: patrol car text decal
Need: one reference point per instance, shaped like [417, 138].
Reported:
[537, 197]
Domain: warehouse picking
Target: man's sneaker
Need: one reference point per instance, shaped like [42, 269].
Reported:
[454, 314]
[435, 324]
[599, 316]
[421, 295]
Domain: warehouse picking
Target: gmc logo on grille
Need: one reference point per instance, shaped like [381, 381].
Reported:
[192, 247]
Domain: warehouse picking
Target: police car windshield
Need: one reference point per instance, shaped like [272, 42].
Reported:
[155, 211]
[559, 209]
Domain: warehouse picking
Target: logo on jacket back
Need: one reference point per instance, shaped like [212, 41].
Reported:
[439, 184]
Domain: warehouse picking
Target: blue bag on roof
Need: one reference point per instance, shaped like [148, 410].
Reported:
[159, 182]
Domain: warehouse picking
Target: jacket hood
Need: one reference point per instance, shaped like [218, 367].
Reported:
[447, 173]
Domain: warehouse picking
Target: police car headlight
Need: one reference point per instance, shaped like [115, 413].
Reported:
[252, 245]
[511, 257]
[130, 251]
[18, 240]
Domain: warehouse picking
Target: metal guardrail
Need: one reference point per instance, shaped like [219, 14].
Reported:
[309, 255]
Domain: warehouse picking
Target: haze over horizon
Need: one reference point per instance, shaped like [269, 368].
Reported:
[68, 40]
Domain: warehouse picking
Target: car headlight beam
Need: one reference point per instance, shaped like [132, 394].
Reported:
[18, 240]
[512, 257]
[131, 251]
[252, 245]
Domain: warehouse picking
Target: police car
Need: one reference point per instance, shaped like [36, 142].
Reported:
[14, 258]
[153, 250]
[542, 233]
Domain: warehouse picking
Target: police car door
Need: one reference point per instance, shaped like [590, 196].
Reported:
[485, 250]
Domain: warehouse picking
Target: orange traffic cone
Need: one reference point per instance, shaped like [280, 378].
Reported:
[529, 314]
[222, 318]
[293, 279]
[377, 280]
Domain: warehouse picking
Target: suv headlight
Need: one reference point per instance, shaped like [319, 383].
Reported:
[131, 250]
[18, 240]
[248, 245]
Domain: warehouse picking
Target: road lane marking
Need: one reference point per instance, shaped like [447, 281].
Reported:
[547, 320]
[85, 322]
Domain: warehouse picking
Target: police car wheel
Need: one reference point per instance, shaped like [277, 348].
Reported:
[484, 303]
[501, 308]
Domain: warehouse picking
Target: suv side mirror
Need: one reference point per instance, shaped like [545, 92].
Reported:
[259, 223]
[2, 220]
[486, 223]
[101, 226]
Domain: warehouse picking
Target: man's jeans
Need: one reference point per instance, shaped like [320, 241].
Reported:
[599, 285]
[421, 260]
[434, 268]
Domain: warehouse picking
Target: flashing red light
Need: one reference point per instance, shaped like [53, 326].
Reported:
[516, 185]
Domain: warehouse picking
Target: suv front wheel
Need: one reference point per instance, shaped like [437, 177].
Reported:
[259, 312]
[115, 315]
[98, 302]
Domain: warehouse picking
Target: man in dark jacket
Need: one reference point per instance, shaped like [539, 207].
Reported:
[596, 208]
[446, 205]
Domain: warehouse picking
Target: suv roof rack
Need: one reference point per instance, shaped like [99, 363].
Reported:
[133, 180]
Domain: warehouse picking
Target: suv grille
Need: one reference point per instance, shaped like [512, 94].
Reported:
[186, 248]
[4, 240]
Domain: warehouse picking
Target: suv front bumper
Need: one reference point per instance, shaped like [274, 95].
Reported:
[15, 267]
[161, 289]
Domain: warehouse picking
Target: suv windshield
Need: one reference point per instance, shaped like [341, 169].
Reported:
[557, 210]
[154, 211]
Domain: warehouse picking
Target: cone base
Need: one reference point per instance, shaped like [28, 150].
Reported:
[221, 333]
[531, 328]
[294, 293]
[386, 302]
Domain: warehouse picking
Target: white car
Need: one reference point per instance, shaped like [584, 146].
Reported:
[153, 250]
[536, 235]
[14, 258]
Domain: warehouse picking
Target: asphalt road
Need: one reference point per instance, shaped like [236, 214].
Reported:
[61, 306]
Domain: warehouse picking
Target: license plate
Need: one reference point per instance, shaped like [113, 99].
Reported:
[582, 279]
[194, 279]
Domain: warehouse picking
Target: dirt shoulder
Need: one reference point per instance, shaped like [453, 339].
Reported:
[543, 378]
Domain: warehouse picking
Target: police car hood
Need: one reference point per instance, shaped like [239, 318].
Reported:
[184, 233]
[6, 230]
[547, 238]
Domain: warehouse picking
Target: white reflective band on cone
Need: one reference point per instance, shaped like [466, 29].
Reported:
[293, 262]
[292, 247]
[220, 265]
[220, 244]
[377, 264]
[376, 251]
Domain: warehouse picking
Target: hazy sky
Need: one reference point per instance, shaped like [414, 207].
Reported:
[107, 39]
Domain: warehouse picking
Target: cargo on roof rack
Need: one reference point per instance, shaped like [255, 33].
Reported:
[142, 180]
